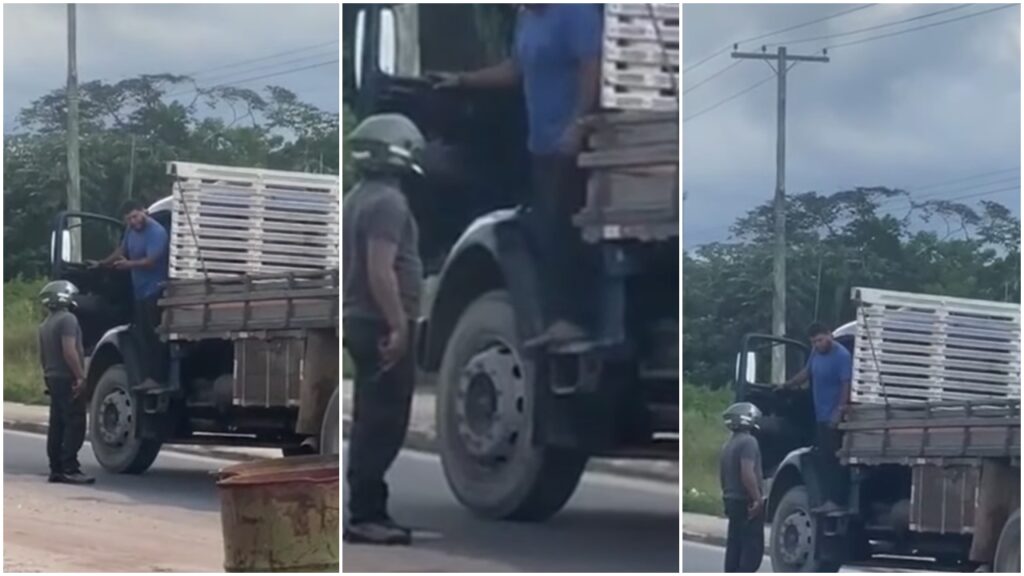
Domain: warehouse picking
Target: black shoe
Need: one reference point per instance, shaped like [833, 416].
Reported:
[380, 532]
[55, 478]
[78, 477]
[398, 527]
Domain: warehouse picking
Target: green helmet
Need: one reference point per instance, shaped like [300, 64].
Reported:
[58, 294]
[742, 416]
[386, 143]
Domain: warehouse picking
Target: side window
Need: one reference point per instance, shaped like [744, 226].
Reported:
[86, 239]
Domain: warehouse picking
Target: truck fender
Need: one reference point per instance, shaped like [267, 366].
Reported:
[117, 346]
[493, 253]
[796, 469]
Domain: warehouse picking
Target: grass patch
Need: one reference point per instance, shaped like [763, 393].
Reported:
[23, 378]
[703, 435]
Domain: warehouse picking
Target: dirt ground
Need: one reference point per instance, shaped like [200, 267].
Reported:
[58, 528]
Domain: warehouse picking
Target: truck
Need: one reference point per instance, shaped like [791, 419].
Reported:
[249, 317]
[931, 439]
[517, 424]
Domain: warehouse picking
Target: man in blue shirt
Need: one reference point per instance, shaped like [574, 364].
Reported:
[143, 251]
[557, 60]
[830, 370]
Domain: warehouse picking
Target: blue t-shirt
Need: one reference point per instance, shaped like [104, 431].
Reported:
[551, 42]
[828, 372]
[138, 244]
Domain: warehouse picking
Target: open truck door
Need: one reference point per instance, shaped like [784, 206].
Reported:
[77, 242]
[788, 421]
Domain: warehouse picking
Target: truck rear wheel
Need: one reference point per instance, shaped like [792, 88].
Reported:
[113, 420]
[330, 435]
[792, 547]
[1007, 558]
[485, 407]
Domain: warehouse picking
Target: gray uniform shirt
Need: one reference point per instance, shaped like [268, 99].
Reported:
[57, 325]
[378, 209]
[740, 446]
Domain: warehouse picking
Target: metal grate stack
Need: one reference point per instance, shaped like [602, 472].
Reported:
[640, 64]
[231, 221]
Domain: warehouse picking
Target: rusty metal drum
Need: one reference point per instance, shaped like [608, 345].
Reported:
[281, 515]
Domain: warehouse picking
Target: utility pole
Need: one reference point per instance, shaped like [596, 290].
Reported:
[782, 65]
[74, 181]
[131, 169]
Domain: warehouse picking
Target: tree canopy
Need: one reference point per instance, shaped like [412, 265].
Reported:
[873, 237]
[167, 117]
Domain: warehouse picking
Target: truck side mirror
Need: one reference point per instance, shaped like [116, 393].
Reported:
[387, 43]
[750, 370]
[65, 246]
[360, 39]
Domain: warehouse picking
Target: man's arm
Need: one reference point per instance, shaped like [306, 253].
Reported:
[156, 247]
[116, 255]
[383, 281]
[69, 348]
[751, 483]
[799, 380]
[502, 75]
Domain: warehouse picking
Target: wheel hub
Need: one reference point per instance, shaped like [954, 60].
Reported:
[490, 401]
[796, 538]
[115, 418]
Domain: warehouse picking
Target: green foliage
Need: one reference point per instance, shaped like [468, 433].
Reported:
[703, 435]
[168, 119]
[23, 379]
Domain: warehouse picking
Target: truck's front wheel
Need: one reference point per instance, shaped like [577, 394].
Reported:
[792, 546]
[485, 408]
[1007, 558]
[113, 420]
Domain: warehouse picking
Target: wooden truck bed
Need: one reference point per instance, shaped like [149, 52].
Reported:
[907, 433]
[221, 306]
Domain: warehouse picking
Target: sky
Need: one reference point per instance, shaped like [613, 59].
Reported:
[123, 40]
[916, 110]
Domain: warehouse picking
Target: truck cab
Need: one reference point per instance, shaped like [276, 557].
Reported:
[516, 425]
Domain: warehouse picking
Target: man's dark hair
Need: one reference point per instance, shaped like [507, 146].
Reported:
[817, 328]
[129, 206]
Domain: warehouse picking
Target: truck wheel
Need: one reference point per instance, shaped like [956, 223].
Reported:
[113, 419]
[792, 536]
[1007, 558]
[487, 391]
[330, 435]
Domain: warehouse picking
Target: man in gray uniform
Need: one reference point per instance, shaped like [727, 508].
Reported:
[61, 357]
[740, 471]
[382, 276]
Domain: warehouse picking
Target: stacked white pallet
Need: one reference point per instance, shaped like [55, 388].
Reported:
[640, 63]
[922, 348]
[230, 221]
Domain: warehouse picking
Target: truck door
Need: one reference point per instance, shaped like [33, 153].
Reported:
[788, 421]
[77, 242]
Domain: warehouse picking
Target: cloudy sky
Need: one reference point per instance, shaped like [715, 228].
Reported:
[123, 40]
[916, 110]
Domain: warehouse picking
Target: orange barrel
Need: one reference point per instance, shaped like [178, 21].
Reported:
[277, 519]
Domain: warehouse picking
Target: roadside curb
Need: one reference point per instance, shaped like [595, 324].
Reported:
[710, 539]
[38, 428]
[423, 441]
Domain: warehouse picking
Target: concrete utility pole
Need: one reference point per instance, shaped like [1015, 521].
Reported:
[782, 65]
[74, 190]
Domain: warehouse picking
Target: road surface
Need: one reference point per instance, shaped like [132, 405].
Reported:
[612, 524]
[698, 557]
[166, 520]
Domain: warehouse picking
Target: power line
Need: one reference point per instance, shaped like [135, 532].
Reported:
[966, 178]
[254, 78]
[728, 99]
[712, 77]
[779, 31]
[262, 58]
[922, 27]
[874, 27]
[229, 77]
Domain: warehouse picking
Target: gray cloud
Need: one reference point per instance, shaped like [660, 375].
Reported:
[122, 40]
[907, 111]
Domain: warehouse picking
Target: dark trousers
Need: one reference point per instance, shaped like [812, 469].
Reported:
[380, 417]
[828, 440]
[153, 351]
[559, 191]
[744, 545]
[66, 432]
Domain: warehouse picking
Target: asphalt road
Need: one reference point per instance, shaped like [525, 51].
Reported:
[611, 524]
[698, 557]
[164, 520]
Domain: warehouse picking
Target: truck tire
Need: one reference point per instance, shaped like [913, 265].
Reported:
[1007, 558]
[330, 434]
[487, 390]
[113, 419]
[791, 545]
